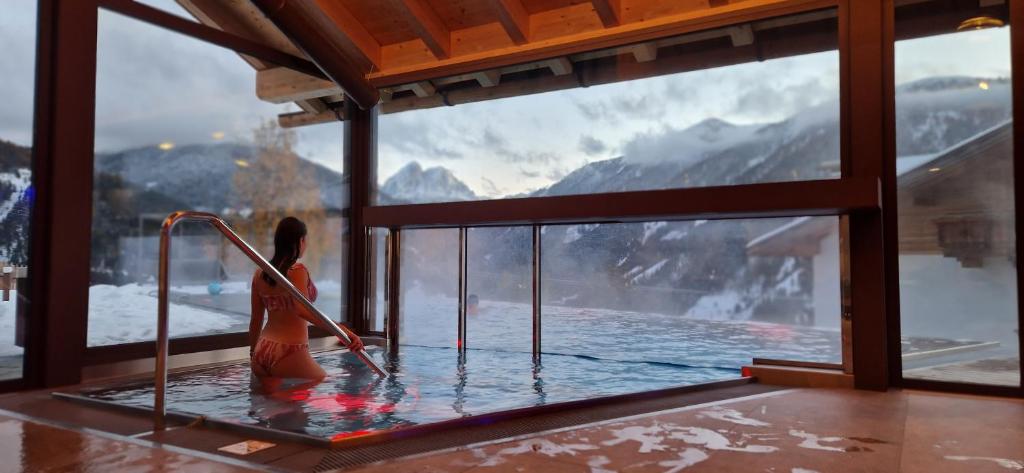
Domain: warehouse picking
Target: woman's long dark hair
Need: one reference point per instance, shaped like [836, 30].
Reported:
[287, 244]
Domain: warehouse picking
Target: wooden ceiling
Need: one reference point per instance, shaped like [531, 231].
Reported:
[413, 47]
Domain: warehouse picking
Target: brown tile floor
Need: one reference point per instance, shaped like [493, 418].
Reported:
[797, 431]
[31, 447]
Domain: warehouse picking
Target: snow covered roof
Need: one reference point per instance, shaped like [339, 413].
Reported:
[906, 167]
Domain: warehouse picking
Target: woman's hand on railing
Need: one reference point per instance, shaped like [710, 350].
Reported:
[356, 343]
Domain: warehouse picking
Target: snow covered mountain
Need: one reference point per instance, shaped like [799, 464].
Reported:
[201, 175]
[412, 183]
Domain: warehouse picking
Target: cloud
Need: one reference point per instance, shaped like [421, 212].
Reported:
[410, 135]
[592, 146]
[529, 174]
[774, 101]
[490, 188]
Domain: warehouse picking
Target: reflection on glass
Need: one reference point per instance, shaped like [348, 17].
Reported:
[499, 288]
[760, 121]
[17, 69]
[958, 297]
[182, 130]
[430, 287]
[694, 293]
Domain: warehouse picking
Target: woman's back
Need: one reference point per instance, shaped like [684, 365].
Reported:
[284, 313]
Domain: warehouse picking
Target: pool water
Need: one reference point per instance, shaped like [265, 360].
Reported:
[428, 385]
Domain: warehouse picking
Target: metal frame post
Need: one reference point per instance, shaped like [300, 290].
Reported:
[463, 282]
[536, 291]
[392, 289]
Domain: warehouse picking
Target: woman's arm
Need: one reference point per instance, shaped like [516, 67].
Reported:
[256, 319]
[300, 278]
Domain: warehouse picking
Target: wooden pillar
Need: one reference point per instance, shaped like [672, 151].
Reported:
[62, 168]
[361, 157]
[868, 151]
[1017, 71]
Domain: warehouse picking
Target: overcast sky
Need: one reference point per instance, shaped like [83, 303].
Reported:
[156, 86]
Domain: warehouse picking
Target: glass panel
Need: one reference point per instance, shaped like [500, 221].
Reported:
[954, 133]
[17, 67]
[711, 294]
[768, 115]
[179, 127]
[377, 272]
[499, 289]
[430, 288]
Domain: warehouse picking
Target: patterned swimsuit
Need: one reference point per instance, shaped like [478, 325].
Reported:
[267, 352]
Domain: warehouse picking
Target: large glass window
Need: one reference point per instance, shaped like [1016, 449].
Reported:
[17, 69]
[639, 124]
[499, 289]
[696, 293]
[957, 258]
[430, 288]
[179, 127]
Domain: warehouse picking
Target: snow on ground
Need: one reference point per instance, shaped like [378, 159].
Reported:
[7, 313]
[122, 314]
[21, 180]
[242, 287]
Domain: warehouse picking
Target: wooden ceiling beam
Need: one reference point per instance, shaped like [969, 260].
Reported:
[488, 78]
[645, 52]
[610, 12]
[283, 85]
[499, 54]
[428, 26]
[514, 17]
[559, 66]
[742, 35]
[362, 42]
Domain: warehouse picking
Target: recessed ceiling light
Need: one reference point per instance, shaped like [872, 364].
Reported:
[979, 23]
[242, 163]
[934, 169]
[217, 135]
[166, 146]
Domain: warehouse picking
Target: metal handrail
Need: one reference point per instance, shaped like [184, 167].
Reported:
[159, 393]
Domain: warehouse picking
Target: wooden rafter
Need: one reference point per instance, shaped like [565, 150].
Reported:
[610, 12]
[428, 26]
[514, 18]
[363, 46]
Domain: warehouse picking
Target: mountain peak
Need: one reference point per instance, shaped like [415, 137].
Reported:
[412, 183]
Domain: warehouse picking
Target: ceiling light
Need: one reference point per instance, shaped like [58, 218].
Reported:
[166, 146]
[217, 135]
[242, 163]
[934, 169]
[980, 23]
[983, 85]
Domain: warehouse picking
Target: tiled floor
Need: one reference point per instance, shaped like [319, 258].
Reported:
[797, 431]
[789, 431]
[32, 447]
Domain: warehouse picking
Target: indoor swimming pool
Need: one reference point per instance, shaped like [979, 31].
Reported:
[427, 385]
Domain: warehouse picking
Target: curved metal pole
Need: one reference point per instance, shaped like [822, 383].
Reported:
[159, 401]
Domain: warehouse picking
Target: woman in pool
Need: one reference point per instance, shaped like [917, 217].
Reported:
[281, 348]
